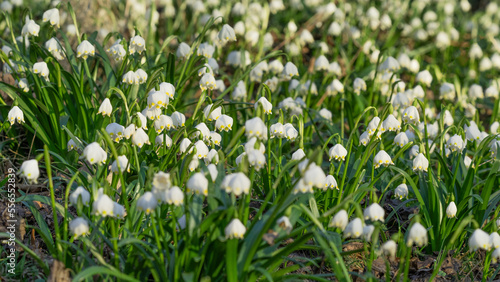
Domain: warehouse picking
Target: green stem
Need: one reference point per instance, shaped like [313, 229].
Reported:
[53, 201]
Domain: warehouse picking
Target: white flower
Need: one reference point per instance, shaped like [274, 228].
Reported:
[151, 113]
[168, 89]
[367, 232]
[184, 145]
[496, 254]
[42, 69]
[29, 170]
[472, 132]
[103, 205]
[314, 176]
[364, 138]
[142, 75]
[115, 131]
[140, 138]
[226, 34]
[205, 50]
[389, 65]
[339, 220]
[212, 114]
[411, 115]
[137, 44]
[234, 59]
[130, 78]
[354, 229]
[252, 144]
[359, 85]
[334, 68]
[374, 212]
[256, 128]
[129, 131]
[23, 84]
[51, 16]
[289, 71]
[175, 196]
[382, 158]
[277, 130]
[401, 139]
[237, 183]
[144, 121]
[256, 159]
[207, 81]
[201, 149]
[79, 227]
[424, 77]
[30, 28]
[373, 125]
[290, 132]
[163, 139]
[326, 114]
[447, 91]
[15, 114]
[334, 88]
[331, 183]
[85, 49]
[266, 105]
[389, 248]
[420, 163]
[390, 124]
[212, 169]
[198, 184]
[451, 210]
[491, 92]
[417, 235]
[495, 240]
[79, 192]
[94, 154]
[117, 51]
[54, 47]
[123, 162]
[178, 119]
[476, 92]
[321, 64]
[401, 191]
[276, 67]
[338, 152]
[455, 143]
[235, 229]
[105, 109]
[147, 203]
[479, 240]
[285, 224]
[163, 122]
[298, 155]
[224, 122]
[183, 50]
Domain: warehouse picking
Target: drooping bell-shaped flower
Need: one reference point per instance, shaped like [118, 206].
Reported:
[79, 227]
[94, 154]
[137, 44]
[420, 163]
[85, 49]
[51, 16]
[338, 152]
[374, 212]
[105, 108]
[15, 114]
[340, 220]
[197, 184]
[382, 159]
[30, 28]
[79, 193]
[147, 203]
[235, 229]
[417, 235]
[29, 170]
[401, 191]
[479, 240]
[354, 229]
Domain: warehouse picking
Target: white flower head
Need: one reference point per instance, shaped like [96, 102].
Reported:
[235, 229]
[417, 235]
[340, 220]
[79, 227]
[15, 114]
